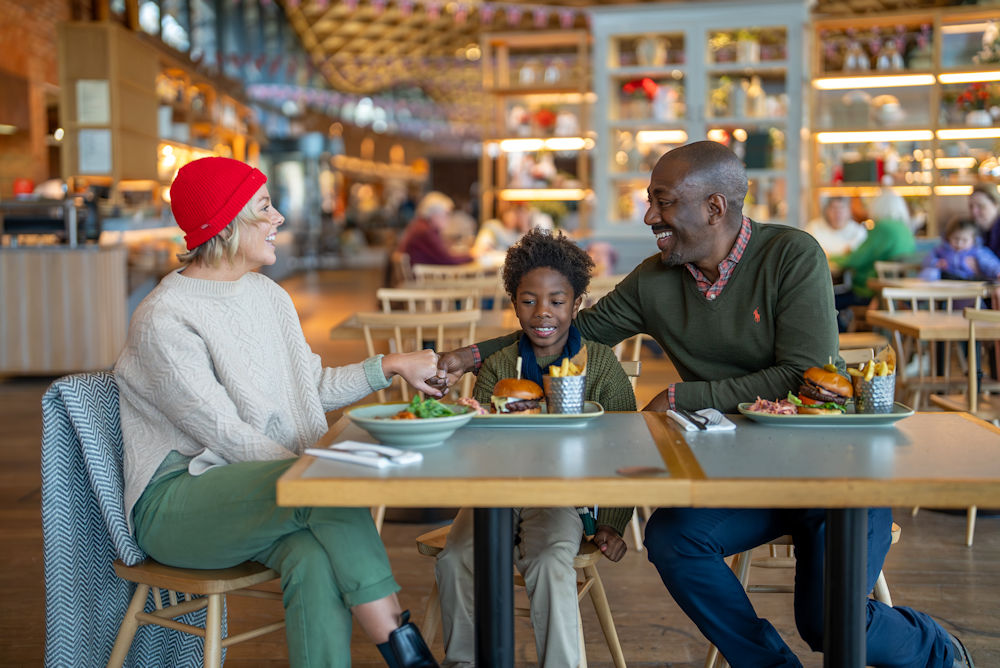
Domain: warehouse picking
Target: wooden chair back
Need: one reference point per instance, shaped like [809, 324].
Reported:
[976, 399]
[489, 289]
[448, 272]
[944, 300]
[600, 286]
[888, 269]
[407, 332]
[400, 270]
[426, 300]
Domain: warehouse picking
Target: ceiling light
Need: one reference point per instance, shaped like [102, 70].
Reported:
[886, 81]
[952, 190]
[661, 136]
[962, 28]
[7, 129]
[955, 163]
[969, 133]
[873, 136]
[968, 77]
[543, 194]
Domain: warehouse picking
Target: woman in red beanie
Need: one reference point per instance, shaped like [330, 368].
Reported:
[219, 393]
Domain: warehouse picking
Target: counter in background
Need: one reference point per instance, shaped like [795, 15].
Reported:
[61, 309]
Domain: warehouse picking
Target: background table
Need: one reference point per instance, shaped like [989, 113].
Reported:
[940, 459]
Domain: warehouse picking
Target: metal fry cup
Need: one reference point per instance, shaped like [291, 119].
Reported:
[876, 395]
[564, 394]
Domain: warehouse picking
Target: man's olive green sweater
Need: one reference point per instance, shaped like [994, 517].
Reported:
[606, 384]
[774, 319]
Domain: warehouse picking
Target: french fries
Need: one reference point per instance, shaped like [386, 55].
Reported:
[869, 370]
[566, 369]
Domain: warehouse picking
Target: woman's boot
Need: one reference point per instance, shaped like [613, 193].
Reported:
[406, 647]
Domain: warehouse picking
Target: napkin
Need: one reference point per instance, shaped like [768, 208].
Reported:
[367, 454]
[725, 424]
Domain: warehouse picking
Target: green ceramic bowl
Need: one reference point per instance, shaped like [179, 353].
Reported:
[375, 419]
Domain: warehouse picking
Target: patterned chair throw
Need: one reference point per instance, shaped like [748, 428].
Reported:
[84, 531]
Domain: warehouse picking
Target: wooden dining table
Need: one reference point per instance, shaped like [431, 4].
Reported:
[928, 326]
[929, 459]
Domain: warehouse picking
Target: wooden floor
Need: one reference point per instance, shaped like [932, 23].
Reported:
[930, 569]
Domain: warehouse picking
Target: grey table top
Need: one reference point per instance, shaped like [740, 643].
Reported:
[948, 459]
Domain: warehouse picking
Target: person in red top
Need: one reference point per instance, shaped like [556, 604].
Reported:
[423, 240]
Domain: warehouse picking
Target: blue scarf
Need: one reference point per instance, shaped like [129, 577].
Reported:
[529, 365]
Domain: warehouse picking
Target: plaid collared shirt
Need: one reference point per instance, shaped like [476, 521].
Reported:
[726, 267]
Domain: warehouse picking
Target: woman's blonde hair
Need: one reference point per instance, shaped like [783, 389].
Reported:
[225, 245]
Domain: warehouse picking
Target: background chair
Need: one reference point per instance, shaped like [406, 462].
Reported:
[976, 400]
[87, 541]
[426, 300]
[451, 272]
[432, 542]
[927, 378]
[408, 332]
[742, 562]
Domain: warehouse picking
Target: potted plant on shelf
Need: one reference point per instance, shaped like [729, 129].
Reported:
[637, 96]
[976, 102]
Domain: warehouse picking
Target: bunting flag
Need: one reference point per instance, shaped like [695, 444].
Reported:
[540, 17]
[514, 15]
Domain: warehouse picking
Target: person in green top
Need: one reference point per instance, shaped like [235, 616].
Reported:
[890, 239]
[546, 277]
[742, 309]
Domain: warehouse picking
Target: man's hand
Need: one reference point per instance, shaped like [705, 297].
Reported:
[610, 543]
[659, 403]
[451, 367]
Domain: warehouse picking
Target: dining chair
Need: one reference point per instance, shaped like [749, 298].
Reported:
[400, 270]
[432, 272]
[426, 300]
[976, 400]
[106, 601]
[489, 288]
[742, 562]
[927, 378]
[431, 543]
[408, 332]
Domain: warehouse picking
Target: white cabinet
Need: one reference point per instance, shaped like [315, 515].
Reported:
[665, 75]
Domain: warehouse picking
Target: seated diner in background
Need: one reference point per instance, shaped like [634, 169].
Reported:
[961, 256]
[546, 277]
[889, 239]
[984, 207]
[423, 239]
[836, 232]
[219, 394]
[742, 309]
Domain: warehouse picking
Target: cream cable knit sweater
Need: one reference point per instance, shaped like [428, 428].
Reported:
[221, 371]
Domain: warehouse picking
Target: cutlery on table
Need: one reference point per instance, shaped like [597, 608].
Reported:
[695, 419]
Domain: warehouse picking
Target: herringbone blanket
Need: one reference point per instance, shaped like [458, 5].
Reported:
[84, 530]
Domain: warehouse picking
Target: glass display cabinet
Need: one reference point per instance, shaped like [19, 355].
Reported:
[538, 137]
[668, 75]
[909, 102]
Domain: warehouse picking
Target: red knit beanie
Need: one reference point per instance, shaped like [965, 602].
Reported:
[208, 193]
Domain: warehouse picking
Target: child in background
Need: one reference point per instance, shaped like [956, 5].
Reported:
[546, 277]
[961, 256]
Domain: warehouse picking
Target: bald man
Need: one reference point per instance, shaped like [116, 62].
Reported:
[742, 309]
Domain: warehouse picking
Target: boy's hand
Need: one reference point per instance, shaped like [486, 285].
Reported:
[610, 543]
[451, 367]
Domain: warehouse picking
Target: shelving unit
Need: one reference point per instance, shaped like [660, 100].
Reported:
[134, 113]
[668, 75]
[538, 137]
[886, 109]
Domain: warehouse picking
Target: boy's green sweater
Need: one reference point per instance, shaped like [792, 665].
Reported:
[606, 384]
[774, 319]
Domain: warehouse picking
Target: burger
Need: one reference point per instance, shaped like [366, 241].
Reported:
[822, 392]
[516, 395]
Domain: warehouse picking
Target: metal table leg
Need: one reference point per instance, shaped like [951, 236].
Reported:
[494, 587]
[844, 592]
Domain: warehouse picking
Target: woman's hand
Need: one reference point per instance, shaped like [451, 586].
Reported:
[415, 368]
[610, 543]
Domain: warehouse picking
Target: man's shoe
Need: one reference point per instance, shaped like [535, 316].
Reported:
[408, 645]
[962, 657]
